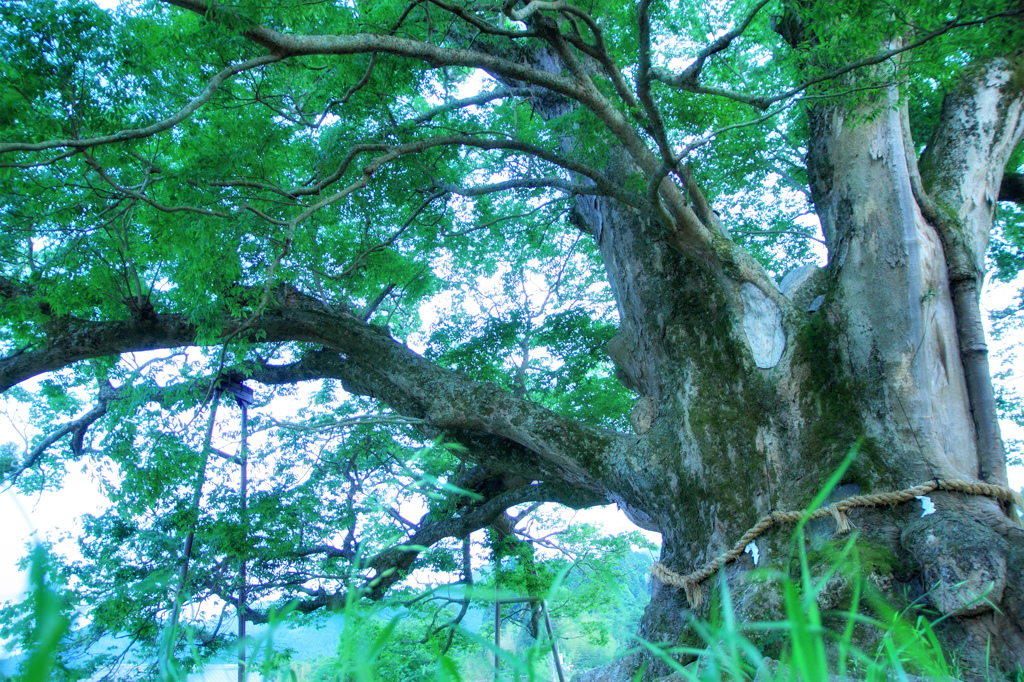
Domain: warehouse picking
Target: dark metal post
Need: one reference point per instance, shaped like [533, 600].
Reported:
[243, 396]
[554, 642]
[547, 622]
[243, 486]
[197, 496]
[497, 632]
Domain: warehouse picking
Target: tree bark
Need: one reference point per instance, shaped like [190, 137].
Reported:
[895, 354]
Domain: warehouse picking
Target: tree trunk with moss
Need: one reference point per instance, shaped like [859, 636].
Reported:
[751, 398]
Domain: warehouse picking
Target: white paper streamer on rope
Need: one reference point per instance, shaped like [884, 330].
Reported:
[926, 504]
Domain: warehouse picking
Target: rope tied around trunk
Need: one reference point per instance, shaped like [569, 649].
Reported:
[691, 583]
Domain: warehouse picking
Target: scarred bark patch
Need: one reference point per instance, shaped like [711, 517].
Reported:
[964, 562]
[762, 323]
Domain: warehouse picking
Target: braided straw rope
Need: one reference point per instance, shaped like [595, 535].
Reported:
[691, 582]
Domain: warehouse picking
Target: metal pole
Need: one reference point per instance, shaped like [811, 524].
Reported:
[497, 631]
[197, 496]
[554, 642]
[243, 486]
[547, 623]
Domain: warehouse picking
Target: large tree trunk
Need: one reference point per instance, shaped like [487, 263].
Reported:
[729, 429]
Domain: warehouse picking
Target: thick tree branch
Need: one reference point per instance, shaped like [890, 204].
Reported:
[482, 24]
[981, 119]
[74, 340]
[495, 454]
[291, 45]
[643, 84]
[598, 51]
[368, 362]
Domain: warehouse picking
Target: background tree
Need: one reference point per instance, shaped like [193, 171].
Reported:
[287, 186]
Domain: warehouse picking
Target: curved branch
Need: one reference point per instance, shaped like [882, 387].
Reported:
[369, 362]
[467, 579]
[76, 428]
[692, 72]
[598, 51]
[526, 183]
[688, 82]
[690, 235]
[601, 184]
[150, 130]
[701, 141]
[358, 85]
[298, 45]
[392, 152]
[392, 565]
[476, 100]
[643, 85]
[163, 208]
[73, 340]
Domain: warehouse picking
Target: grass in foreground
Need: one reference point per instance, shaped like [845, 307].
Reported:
[906, 647]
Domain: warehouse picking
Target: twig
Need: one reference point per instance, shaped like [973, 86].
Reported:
[137, 133]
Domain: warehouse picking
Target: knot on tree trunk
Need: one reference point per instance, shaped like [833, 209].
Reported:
[963, 562]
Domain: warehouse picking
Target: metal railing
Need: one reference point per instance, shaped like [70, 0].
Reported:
[547, 623]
